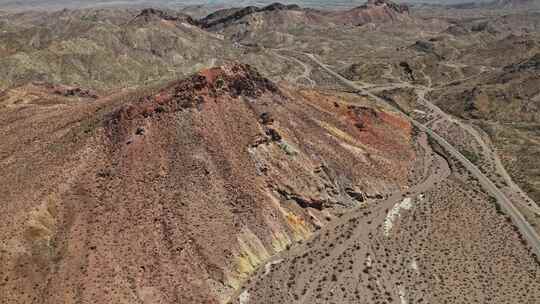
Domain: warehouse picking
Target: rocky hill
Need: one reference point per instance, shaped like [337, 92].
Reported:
[499, 5]
[278, 23]
[513, 4]
[374, 11]
[226, 17]
[109, 48]
[177, 194]
[270, 154]
[104, 49]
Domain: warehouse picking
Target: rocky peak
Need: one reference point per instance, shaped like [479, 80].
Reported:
[399, 8]
[233, 79]
[151, 14]
[374, 11]
[214, 84]
[225, 17]
[279, 6]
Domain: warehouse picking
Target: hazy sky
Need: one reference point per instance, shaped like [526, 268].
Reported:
[57, 4]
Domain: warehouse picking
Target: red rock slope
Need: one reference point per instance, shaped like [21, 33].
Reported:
[176, 195]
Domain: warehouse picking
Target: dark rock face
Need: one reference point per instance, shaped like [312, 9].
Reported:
[151, 14]
[424, 46]
[407, 69]
[400, 8]
[532, 64]
[228, 16]
[74, 92]
[278, 6]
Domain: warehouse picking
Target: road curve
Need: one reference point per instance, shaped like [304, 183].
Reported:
[496, 159]
[517, 218]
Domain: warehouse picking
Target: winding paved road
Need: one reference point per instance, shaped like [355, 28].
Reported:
[496, 159]
[506, 204]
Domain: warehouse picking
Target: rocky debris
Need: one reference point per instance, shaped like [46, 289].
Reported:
[424, 46]
[407, 69]
[471, 98]
[357, 195]
[457, 30]
[531, 64]
[364, 117]
[303, 202]
[354, 71]
[140, 131]
[484, 26]
[273, 134]
[266, 118]
[427, 47]
[68, 91]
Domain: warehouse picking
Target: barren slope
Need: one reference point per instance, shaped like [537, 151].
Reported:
[104, 48]
[177, 195]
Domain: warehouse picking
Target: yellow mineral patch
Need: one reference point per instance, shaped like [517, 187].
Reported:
[360, 153]
[252, 253]
[280, 241]
[334, 131]
[300, 229]
[41, 224]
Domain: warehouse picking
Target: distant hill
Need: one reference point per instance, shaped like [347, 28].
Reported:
[273, 22]
[104, 48]
[498, 4]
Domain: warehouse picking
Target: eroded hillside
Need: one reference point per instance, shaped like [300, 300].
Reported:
[178, 195]
[270, 154]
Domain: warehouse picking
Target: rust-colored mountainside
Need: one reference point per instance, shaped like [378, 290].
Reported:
[270, 154]
[175, 195]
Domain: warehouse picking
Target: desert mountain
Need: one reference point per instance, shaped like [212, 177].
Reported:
[178, 194]
[374, 11]
[512, 4]
[154, 15]
[251, 23]
[103, 49]
[226, 17]
[499, 5]
[270, 154]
